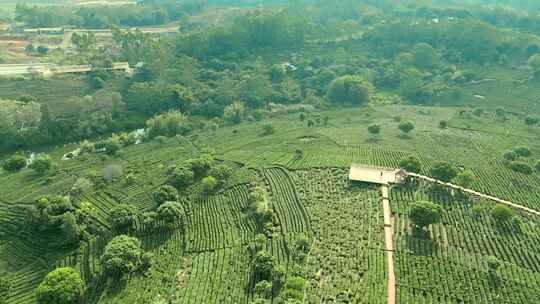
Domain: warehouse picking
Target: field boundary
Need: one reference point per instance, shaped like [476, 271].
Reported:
[470, 191]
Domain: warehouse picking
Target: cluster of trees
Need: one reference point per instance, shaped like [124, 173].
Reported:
[260, 209]
[516, 160]
[146, 13]
[204, 169]
[60, 219]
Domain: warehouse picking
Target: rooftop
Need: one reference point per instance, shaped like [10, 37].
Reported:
[376, 175]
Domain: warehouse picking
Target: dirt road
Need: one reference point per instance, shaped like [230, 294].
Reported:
[389, 245]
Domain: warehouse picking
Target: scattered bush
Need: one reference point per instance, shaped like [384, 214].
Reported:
[60, 286]
[443, 124]
[521, 167]
[14, 163]
[502, 213]
[531, 120]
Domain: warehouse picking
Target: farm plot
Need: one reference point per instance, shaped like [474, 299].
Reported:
[220, 221]
[451, 267]
[347, 263]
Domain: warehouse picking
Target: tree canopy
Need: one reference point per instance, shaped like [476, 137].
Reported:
[423, 214]
[61, 286]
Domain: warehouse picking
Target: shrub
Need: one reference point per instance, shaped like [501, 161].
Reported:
[423, 214]
[60, 286]
[234, 113]
[123, 216]
[374, 129]
[267, 129]
[14, 163]
[406, 126]
[464, 179]
[112, 146]
[264, 265]
[493, 263]
[411, 164]
[443, 124]
[523, 151]
[41, 164]
[209, 184]
[510, 155]
[502, 213]
[349, 90]
[521, 167]
[171, 212]
[531, 120]
[164, 194]
[122, 255]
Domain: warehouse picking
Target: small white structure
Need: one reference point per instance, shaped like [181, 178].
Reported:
[376, 175]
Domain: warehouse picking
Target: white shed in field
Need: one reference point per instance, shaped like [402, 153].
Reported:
[376, 175]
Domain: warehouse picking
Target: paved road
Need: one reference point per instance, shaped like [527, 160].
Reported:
[489, 197]
[389, 245]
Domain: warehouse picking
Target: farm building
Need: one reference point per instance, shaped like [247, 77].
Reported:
[376, 175]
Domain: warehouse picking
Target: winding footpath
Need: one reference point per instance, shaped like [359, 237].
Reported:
[389, 245]
[489, 197]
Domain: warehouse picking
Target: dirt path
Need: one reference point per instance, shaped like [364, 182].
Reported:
[489, 197]
[389, 245]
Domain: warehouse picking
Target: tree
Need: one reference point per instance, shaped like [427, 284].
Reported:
[122, 255]
[168, 124]
[14, 163]
[411, 164]
[60, 286]
[267, 129]
[164, 194]
[112, 146]
[349, 90]
[222, 172]
[423, 214]
[374, 129]
[464, 179]
[406, 127]
[84, 41]
[502, 213]
[523, 151]
[264, 265]
[234, 113]
[123, 216]
[209, 184]
[521, 167]
[181, 176]
[42, 50]
[493, 263]
[443, 124]
[531, 120]
[171, 212]
[425, 56]
[41, 164]
[443, 171]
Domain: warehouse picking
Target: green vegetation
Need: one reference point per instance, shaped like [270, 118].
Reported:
[217, 170]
